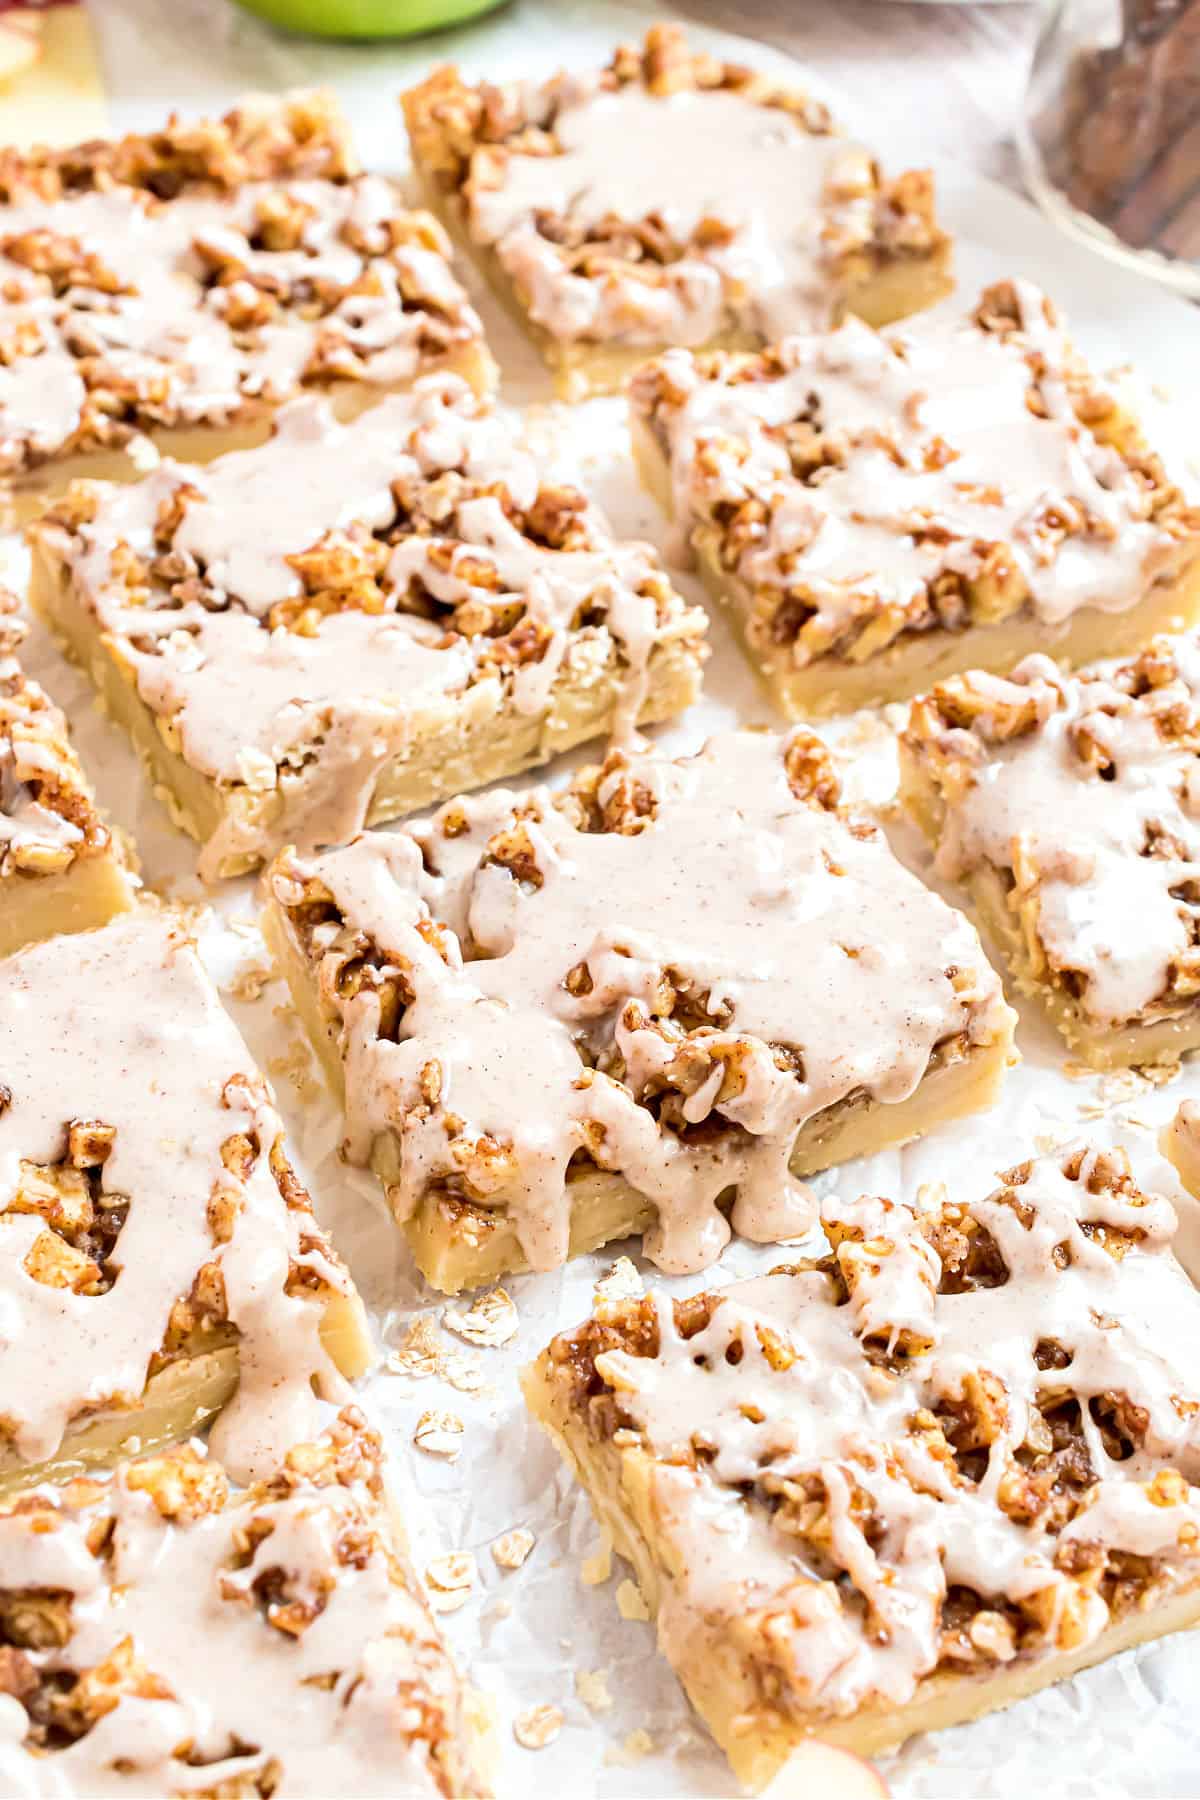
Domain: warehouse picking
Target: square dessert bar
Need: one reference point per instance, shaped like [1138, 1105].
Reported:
[60, 867]
[1067, 806]
[669, 199]
[162, 1635]
[354, 620]
[881, 511]
[637, 1004]
[914, 1479]
[182, 284]
[157, 1250]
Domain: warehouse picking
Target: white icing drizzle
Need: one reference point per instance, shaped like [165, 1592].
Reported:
[177, 345]
[351, 1692]
[826, 1517]
[548, 1024]
[45, 810]
[121, 1027]
[792, 201]
[315, 716]
[1092, 812]
[942, 468]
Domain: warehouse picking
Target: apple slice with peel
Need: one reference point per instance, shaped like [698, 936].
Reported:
[819, 1771]
[20, 44]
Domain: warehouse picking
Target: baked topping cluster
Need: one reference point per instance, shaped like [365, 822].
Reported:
[163, 1635]
[148, 1212]
[761, 214]
[862, 486]
[47, 818]
[265, 138]
[287, 611]
[188, 277]
[966, 1434]
[1083, 792]
[663, 971]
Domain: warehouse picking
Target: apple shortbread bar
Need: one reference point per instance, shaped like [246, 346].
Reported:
[637, 1004]
[157, 1250]
[909, 1481]
[355, 620]
[182, 284]
[1066, 805]
[60, 867]
[880, 511]
[160, 1634]
[669, 199]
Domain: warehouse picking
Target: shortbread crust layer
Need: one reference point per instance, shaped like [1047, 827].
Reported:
[1064, 804]
[559, 1018]
[892, 1489]
[60, 867]
[158, 1254]
[162, 1634]
[180, 286]
[763, 219]
[881, 512]
[434, 615]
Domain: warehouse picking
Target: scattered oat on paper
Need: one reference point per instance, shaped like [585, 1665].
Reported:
[511, 1550]
[249, 983]
[592, 1687]
[1117, 1087]
[537, 1727]
[462, 1373]
[419, 1354]
[439, 1434]
[297, 1066]
[449, 1580]
[424, 1354]
[633, 1748]
[195, 914]
[491, 1321]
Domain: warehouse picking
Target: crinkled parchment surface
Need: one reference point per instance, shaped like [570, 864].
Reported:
[1131, 1728]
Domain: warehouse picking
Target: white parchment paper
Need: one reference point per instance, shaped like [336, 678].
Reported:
[1131, 1728]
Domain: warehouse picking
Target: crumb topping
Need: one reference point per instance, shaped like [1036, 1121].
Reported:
[965, 1435]
[263, 138]
[663, 970]
[148, 1211]
[666, 197]
[189, 277]
[159, 1634]
[47, 815]
[941, 474]
[288, 612]
[1082, 791]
